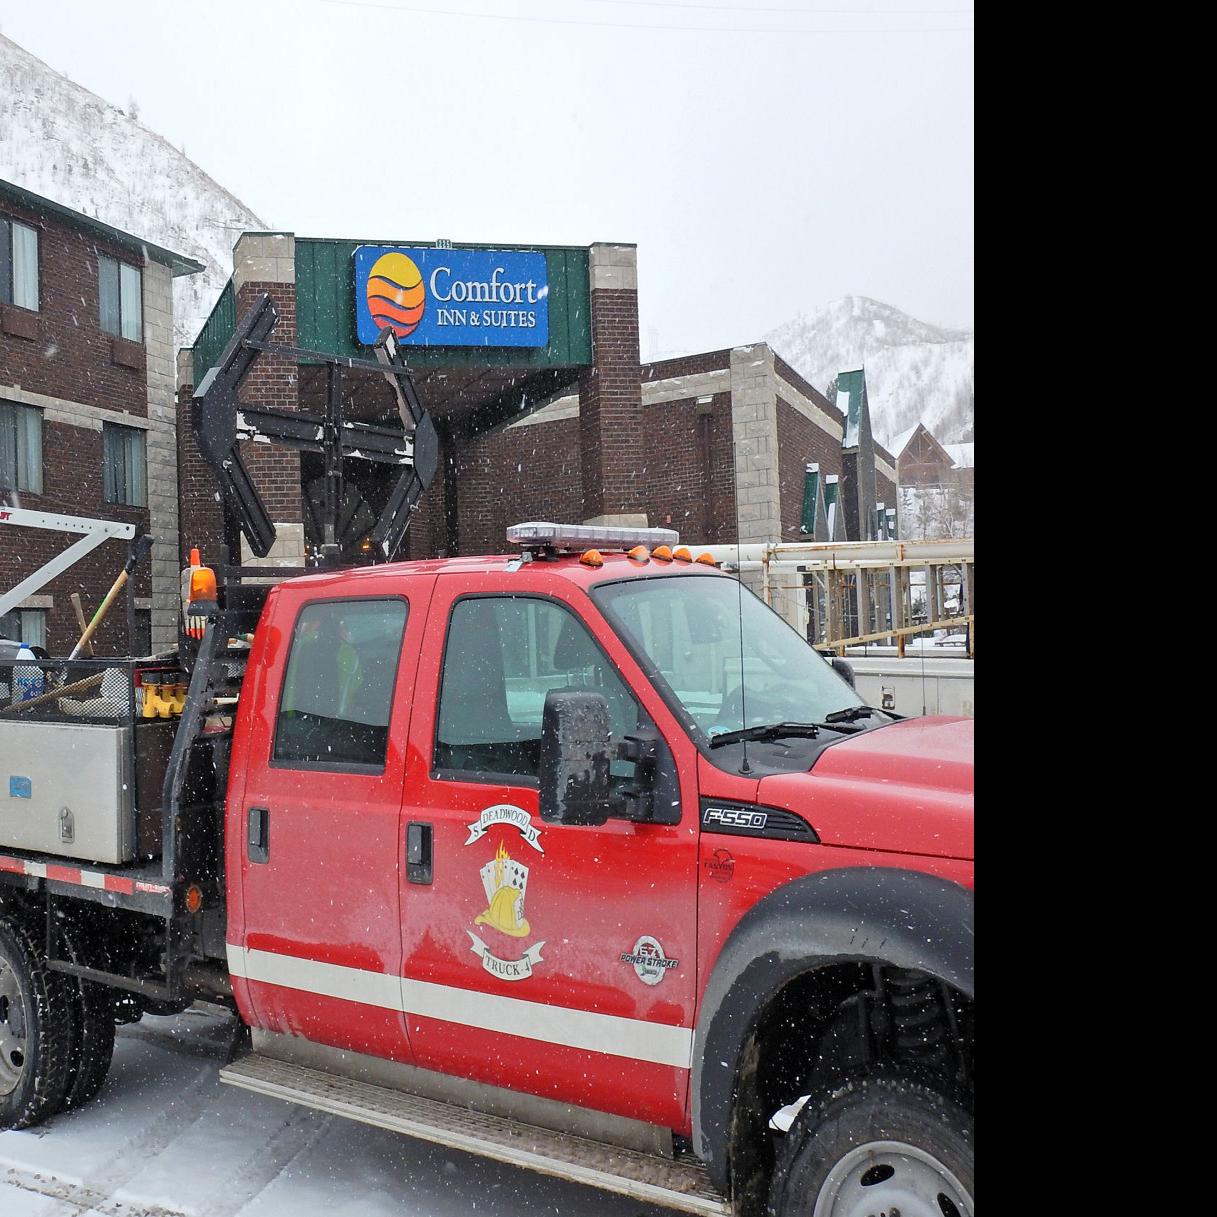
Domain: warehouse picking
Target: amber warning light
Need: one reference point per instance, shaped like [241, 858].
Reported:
[198, 587]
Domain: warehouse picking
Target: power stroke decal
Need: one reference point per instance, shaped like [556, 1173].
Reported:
[651, 965]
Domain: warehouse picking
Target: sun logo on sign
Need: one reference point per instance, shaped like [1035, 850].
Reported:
[395, 292]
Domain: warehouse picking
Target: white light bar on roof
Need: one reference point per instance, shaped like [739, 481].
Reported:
[538, 533]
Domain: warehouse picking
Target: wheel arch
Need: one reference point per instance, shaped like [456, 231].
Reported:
[854, 915]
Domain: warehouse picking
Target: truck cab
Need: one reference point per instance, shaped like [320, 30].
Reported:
[587, 840]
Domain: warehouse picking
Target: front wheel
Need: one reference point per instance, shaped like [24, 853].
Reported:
[876, 1145]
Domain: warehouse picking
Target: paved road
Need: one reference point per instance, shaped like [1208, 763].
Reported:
[166, 1139]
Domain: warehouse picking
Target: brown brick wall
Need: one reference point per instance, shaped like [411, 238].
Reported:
[60, 351]
[792, 378]
[69, 355]
[686, 365]
[200, 513]
[518, 474]
[800, 442]
[72, 484]
[610, 417]
[272, 382]
[692, 468]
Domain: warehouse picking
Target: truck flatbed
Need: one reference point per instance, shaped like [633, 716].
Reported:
[139, 886]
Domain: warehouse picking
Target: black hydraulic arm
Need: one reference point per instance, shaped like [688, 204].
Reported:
[221, 421]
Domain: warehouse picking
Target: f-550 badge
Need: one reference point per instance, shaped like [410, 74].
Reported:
[733, 819]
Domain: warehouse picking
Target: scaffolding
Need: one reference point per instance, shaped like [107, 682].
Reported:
[842, 594]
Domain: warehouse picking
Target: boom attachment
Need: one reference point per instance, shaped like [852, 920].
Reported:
[337, 513]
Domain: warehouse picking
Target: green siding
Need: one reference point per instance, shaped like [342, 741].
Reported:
[216, 331]
[325, 310]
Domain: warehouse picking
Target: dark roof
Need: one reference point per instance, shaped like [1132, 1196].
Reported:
[178, 263]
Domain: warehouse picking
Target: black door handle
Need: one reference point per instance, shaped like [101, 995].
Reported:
[259, 834]
[418, 852]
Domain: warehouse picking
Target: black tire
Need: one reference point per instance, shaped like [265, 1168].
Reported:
[35, 1032]
[92, 1021]
[876, 1145]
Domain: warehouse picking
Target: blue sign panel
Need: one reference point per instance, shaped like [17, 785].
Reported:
[452, 297]
[20, 788]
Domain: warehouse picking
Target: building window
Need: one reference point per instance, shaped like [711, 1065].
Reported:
[122, 308]
[18, 264]
[20, 447]
[124, 465]
[25, 625]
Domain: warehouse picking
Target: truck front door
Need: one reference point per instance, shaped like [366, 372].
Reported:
[315, 943]
[552, 959]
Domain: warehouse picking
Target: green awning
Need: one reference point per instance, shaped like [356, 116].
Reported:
[814, 522]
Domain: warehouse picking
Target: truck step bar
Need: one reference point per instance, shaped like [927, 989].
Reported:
[681, 1185]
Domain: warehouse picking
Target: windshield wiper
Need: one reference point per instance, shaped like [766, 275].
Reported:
[851, 714]
[765, 731]
[778, 730]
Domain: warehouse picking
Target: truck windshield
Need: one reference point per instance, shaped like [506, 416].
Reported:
[687, 631]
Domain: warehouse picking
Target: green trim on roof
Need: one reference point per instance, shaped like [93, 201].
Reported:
[179, 264]
[814, 523]
[854, 384]
[217, 330]
[834, 525]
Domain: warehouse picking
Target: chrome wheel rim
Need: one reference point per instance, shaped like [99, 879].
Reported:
[13, 1031]
[885, 1177]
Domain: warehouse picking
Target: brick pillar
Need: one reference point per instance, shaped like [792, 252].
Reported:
[754, 427]
[161, 453]
[616, 488]
[266, 262]
[199, 507]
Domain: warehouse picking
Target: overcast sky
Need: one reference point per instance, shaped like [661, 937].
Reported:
[763, 164]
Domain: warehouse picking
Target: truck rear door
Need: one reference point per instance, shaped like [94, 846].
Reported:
[553, 959]
[313, 839]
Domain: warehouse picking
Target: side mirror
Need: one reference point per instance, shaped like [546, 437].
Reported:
[844, 669]
[575, 753]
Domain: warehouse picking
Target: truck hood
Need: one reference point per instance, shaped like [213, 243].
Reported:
[904, 788]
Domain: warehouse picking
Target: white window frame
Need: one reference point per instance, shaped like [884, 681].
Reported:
[22, 279]
[130, 288]
[26, 453]
[131, 489]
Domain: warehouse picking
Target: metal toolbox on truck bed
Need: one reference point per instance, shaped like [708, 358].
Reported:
[68, 788]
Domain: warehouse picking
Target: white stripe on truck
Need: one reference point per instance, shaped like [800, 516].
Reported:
[634, 1039]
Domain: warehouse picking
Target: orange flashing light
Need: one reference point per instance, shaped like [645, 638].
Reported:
[662, 553]
[639, 553]
[591, 557]
[708, 559]
[683, 554]
[203, 584]
[194, 898]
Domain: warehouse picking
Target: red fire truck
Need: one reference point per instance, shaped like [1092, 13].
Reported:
[578, 858]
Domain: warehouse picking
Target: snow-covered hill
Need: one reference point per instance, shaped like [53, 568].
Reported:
[915, 372]
[59, 140]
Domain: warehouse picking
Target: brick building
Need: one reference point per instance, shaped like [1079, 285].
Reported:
[573, 427]
[87, 415]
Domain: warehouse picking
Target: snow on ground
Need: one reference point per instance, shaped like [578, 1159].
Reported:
[166, 1138]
